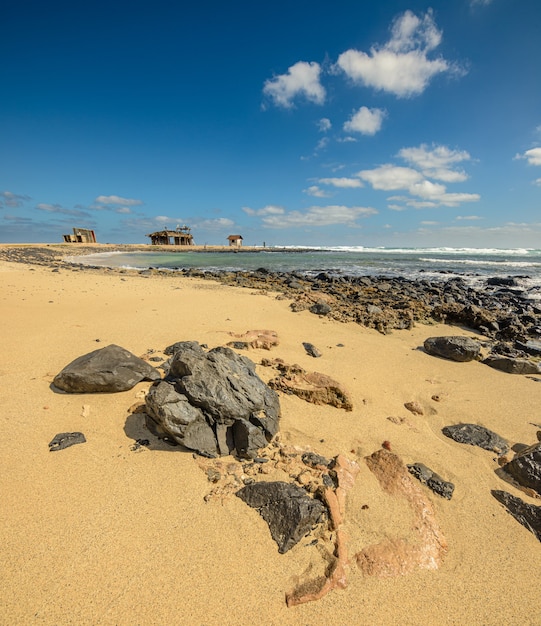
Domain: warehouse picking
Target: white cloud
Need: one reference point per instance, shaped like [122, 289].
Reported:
[317, 192]
[482, 3]
[401, 66]
[437, 162]
[57, 208]
[302, 79]
[318, 216]
[533, 156]
[324, 125]
[344, 183]
[270, 209]
[391, 177]
[537, 181]
[469, 218]
[366, 121]
[218, 223]
[118, 200]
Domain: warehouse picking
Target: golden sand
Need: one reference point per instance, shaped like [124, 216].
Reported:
[101, 534]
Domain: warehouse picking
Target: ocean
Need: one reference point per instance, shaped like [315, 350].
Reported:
[474, 265]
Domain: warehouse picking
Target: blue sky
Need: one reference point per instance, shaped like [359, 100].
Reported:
[368, 123]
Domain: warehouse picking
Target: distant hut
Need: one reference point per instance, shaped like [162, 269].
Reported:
[181, 236]
[80, 235]
[235, 241]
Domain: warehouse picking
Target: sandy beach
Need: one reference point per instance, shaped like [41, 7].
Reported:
[101, 533]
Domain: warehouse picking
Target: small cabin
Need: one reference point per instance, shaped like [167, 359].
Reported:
[80, 235]
[235, 241]
[181, 236]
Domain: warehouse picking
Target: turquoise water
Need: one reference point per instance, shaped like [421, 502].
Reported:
[413, 263]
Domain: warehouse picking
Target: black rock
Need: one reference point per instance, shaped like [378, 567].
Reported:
[106, 370]
[288, 510]
[530, 347]
[311, 349]
[432, 480]
[475, 435]
[313, 460]
[179, 345]
[525, 467]
[526, 514]
[320, 308]
[512, 365]
[65, 440]
[213, 402]
[455, 348]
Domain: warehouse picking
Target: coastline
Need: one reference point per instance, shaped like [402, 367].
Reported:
[100, 533]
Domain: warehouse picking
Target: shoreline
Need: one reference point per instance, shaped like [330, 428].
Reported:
[105, 533]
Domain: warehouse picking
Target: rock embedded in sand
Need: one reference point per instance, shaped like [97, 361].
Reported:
[528, 515]
[65, 440]
[288, 510]
[414, 407]
[262, 339]
[476, 435]
[107, 370]
[454, 348]
[313, 387]
[525, 467]
[214, 402]
[512, 365]
[432, 480]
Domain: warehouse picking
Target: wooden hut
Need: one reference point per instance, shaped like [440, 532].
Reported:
[181, 236]
[235, 241]
[80, 235]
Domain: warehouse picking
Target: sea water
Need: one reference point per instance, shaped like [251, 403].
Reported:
[472, 264]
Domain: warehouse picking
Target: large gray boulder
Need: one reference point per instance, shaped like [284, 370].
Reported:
[525, 467]
[288, 510]
[214, 402]
[528, 515]
[455, 348]
[106, 370]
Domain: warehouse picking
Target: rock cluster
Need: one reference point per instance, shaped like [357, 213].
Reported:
[213, 402]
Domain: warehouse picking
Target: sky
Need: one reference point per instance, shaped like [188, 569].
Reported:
[353, 123]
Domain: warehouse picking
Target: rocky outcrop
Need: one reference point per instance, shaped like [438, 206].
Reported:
[214, 402]
[454, 348]
[262, 339]
[432, 480]
[107, 370]
[512, 365]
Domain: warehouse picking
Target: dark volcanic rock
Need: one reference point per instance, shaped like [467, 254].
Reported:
[106, 370]
[65, 440]
[320, 308]
[311, 350]
[525, 467]
[530, 347]
[213, 402]
[526, 514]
[454, 348]
[475, 435]
[185, 423]
[432, 480]
[512, 365]
[288, 510]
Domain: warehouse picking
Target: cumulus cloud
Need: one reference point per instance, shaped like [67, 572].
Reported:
[218, 223]
[118, 200]
[401, 66]
[533, 156]
[365, 121]
[324, 125]
[391, 177]
[343, 182]
[301, 79]
[317, 192]
[318, 216]
[12, 200]
[437, 162]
